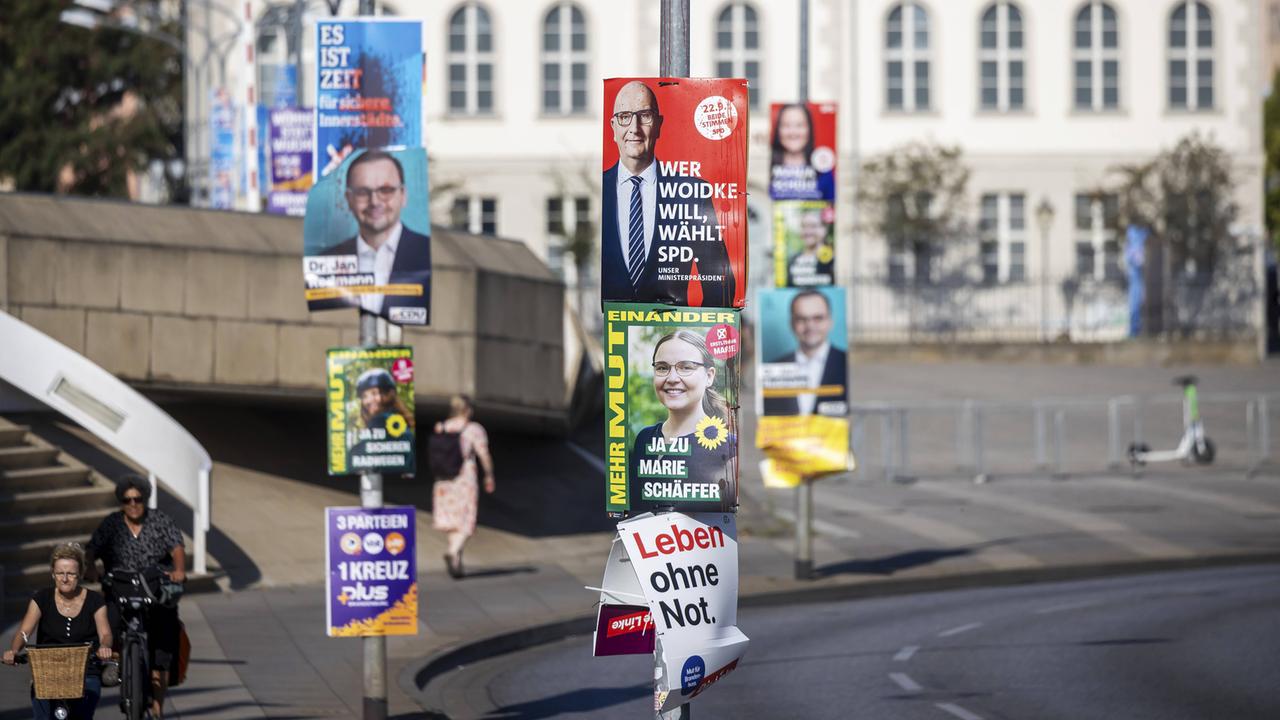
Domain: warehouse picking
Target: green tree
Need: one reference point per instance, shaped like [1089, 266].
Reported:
[80, 109]
[1271, 140]
[914, 197]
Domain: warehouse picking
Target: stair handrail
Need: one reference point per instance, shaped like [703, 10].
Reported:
[66, 381]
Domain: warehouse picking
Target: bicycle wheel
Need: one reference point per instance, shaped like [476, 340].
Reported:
[134, 688]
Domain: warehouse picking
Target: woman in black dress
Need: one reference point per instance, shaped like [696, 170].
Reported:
[67, 614]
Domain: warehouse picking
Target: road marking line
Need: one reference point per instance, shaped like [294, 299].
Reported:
[1242, 506]
[1067, 606]
[905, 653]
[1103, 529]
[951, 536]
[961, 629]
[905, 682]
[958, 711]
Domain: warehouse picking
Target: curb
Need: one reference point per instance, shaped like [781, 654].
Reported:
[417, 675]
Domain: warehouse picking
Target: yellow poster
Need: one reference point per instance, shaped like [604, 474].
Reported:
[803, 446]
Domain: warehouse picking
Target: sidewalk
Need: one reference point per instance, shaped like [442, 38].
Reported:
[259, 650]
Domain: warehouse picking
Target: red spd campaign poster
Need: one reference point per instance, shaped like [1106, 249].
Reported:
[673, 193]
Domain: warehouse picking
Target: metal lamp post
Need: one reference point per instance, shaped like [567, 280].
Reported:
[1044, 218]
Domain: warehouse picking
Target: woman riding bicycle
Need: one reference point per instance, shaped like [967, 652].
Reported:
[67, 614]
[138, 539]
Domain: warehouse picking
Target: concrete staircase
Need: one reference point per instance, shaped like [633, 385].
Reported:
[47, 497]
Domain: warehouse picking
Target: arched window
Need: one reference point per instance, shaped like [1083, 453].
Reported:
[907, 57]
[564, 60]
[1001, 58]
[1191, 56]
[470, 60]
[1096, 57]
[738, 47]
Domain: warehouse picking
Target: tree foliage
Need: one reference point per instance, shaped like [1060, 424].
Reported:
[1186, 197]
[1271, 141]
[80, 109]
[915, 193]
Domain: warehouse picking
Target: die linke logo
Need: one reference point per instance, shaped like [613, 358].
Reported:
[641, 622]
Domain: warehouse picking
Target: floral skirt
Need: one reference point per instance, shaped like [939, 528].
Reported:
[454, 502]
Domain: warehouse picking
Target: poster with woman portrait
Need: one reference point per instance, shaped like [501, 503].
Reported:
[804, 243]
[802, 148]
[671, 399]
[370, 410]
[673, 191]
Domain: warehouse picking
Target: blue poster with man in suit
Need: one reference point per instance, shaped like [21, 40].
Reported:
[367, 237]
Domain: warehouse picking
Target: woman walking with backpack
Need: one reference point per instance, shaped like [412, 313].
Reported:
[454, 451]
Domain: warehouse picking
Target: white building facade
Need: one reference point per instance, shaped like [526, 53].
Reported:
[1043, 97]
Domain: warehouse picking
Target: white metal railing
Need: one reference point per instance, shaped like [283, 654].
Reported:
[70, 383]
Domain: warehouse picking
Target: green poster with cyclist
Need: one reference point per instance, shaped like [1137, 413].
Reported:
[671, 397]
[370, 410]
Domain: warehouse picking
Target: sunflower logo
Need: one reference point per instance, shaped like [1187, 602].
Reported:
[825, 253]
[396, 425]
[711, 432]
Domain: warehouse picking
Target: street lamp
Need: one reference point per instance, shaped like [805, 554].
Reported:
[1044, 218]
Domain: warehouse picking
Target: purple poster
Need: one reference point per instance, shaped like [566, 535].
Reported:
[372, 584]
[290, 150]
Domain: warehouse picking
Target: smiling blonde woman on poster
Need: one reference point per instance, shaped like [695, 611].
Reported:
[694, 442]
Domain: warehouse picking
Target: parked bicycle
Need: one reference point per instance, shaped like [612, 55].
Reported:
[1195, 446]
[136, 593]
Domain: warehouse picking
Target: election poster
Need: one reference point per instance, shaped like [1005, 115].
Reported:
[803, 152]
[222, 151]
[802, 378]
[370, 74]
[289, 150]
[366, 237]
[671, 399]
[673, 193]
[687, 569]
[370, 410]
[371, 586]
[624, 625]
[803, 243]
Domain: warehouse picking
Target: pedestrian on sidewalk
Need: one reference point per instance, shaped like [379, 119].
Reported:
[455, 449]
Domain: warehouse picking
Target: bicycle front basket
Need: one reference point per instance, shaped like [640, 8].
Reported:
[58, 670]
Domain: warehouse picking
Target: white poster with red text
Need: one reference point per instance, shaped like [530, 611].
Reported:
[687, 570]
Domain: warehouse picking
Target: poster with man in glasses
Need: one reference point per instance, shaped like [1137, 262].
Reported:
[803, 384]
[673, 193]
[671, 398]
[366, 237]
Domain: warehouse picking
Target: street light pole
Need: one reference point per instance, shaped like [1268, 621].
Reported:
[1044, 217]
[803, 568]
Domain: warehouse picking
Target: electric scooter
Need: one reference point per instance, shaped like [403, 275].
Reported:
[1195, 446]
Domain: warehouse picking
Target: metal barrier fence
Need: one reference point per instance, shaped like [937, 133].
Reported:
[1060, 436]
[1082, 310]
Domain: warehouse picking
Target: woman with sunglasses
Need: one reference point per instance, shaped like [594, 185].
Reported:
[66, 614]
[695, 442]
[137, 539]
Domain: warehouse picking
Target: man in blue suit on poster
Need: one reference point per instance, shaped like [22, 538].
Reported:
[824, 364]
[384, 247]
[656, 226]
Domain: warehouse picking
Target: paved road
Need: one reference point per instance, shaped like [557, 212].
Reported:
[1193, 645]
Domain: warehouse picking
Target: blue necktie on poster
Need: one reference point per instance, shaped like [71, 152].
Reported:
[635, 233]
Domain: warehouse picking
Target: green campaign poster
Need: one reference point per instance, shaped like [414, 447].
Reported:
[370, 410]
[671, 408]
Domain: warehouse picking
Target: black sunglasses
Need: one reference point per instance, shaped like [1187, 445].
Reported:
[132, 500]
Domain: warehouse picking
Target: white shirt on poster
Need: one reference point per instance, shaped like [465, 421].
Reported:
[379, 263]
[648, 203]
[813, 366]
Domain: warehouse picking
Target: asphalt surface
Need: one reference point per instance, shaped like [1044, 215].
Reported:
[1169, 646]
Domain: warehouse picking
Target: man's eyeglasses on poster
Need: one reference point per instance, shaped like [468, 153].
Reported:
[625, 117]
[363, 194]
